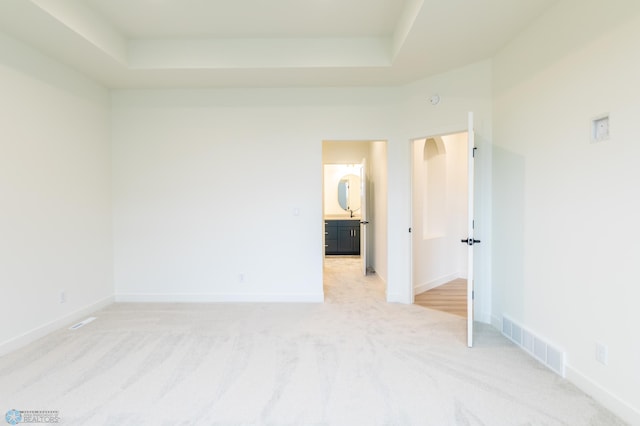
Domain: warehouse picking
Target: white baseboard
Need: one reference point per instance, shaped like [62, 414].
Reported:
[380, 278]
[619, 407]
[496, 322]
[421, 288]
[38, 332]
[220, 298]
[396, 298]
[482, 317]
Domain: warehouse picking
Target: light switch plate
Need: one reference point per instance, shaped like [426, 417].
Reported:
[600, 128]
[602, 353]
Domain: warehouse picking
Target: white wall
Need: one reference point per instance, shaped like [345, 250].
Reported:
[55, 215]
[206, 181]
[566, 211]
[377, 208]
[344, 152]
[440, 257]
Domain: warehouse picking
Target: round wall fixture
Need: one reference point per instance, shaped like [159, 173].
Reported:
[435, 99]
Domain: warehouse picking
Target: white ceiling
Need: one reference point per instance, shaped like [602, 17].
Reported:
[266, 43]
[250, 18]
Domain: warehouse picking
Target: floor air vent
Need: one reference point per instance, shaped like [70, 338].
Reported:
[534, 345]
[81, 323]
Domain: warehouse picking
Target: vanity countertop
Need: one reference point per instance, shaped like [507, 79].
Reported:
[340, 217]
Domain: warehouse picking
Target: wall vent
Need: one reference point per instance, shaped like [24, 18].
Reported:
[81, 323]
[534, 345]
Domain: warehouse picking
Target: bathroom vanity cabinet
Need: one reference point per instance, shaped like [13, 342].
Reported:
[342, 237]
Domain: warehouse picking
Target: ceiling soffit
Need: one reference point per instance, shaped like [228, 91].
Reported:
[131, 43]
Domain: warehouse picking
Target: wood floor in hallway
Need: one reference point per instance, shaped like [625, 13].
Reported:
[450, 297]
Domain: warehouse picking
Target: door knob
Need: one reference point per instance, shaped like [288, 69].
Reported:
[470, 241]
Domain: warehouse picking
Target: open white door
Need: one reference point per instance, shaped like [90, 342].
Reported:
[364, 219]
[470, 241]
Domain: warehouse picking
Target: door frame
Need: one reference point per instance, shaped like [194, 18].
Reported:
[371, 240]
[453, 130]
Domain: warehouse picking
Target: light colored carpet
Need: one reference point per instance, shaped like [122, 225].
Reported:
[354, 360]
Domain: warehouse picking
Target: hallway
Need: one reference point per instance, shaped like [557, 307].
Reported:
[344, 281]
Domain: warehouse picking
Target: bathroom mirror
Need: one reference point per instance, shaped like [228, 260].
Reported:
[349, 193]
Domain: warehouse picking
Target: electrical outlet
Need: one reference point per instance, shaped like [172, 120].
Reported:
[602, 353]
[63, 296]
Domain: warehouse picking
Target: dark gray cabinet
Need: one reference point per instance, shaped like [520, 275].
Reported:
[342, 237]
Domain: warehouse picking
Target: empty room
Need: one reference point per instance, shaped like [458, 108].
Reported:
[223, 212]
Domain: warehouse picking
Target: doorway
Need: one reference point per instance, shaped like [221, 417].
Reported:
[440, 195]
[354, 205]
